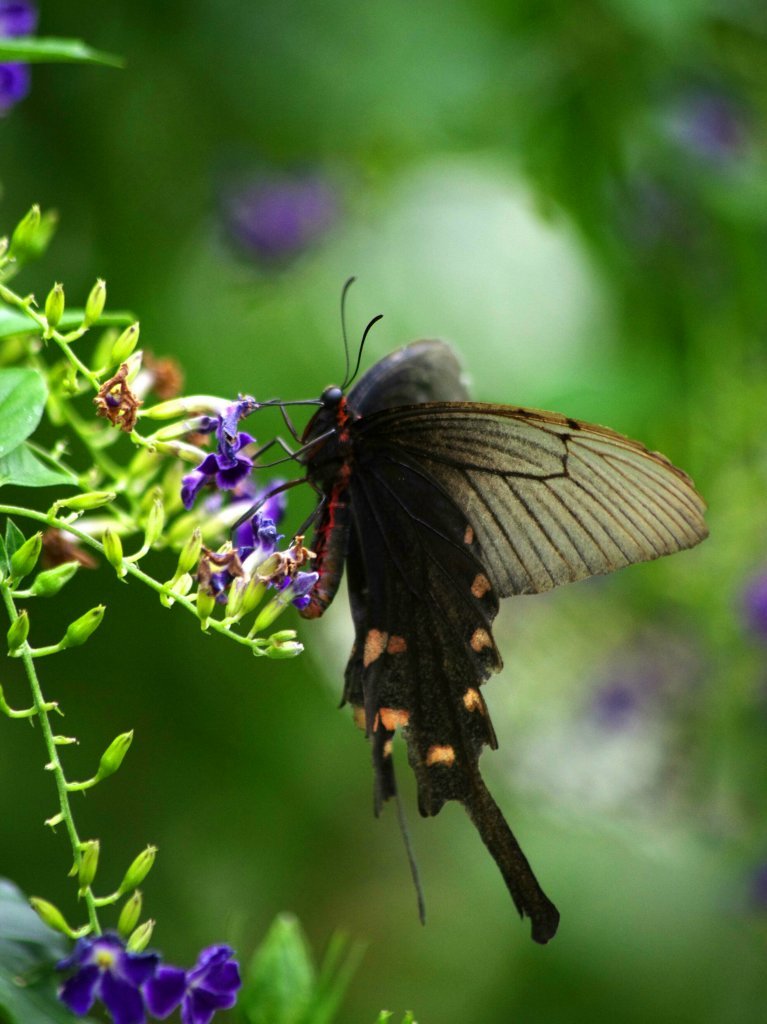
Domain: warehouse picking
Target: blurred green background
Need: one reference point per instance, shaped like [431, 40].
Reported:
[575, 195]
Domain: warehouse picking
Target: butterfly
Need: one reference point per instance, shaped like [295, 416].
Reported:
[436, 507]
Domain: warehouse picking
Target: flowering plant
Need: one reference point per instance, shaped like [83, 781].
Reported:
[183, 487]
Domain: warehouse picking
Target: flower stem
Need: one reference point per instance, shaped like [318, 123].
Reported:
[54, 763]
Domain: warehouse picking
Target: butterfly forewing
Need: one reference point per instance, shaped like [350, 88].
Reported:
[552, 500]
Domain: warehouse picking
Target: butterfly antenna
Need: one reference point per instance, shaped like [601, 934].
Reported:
[347, 285]
[403, 827]
[362, 345]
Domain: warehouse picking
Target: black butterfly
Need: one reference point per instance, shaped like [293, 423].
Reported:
[437, 507]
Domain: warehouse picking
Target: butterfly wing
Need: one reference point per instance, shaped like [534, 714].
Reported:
[423, 609]
[552, 500]
[424, 371]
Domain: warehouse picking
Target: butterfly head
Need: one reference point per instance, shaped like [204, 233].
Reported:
[331, 397]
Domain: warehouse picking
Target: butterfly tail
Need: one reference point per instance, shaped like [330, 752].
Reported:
[530, 900]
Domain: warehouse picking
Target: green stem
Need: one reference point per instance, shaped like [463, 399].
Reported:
[54, 763]
[62, 340]
[132, 570]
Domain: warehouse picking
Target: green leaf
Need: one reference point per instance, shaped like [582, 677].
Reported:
[24, 469]
[29, 952]
[5, 562]
[34, 50]
[280, 980]
[17, 323]
[22, 400]
[14, 538]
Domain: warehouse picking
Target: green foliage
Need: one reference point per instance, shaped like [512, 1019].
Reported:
[28, 953]
[44, 51]
[282, 985]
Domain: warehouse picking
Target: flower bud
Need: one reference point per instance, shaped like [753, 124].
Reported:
[113, 550]
[24, 559]
[181, 450]
[190, 553]
[284, 649]
[50, 581]
[124, 345]
[94, 304]
[189, 405]
[3, 246]
[89, 862]
[23, 237]
[18, 633]
[206, 605]
[155, 521]
[138, 870]
[133, 362]
[54, 305]
[112, 758]
[140, 939]
[50, 915]
[253, 595]
[130, 914]
[86, 501]
[79, 630]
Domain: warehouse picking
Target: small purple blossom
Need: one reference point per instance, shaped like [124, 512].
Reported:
[711, 125]
[209, 986]
[277, 216]
[227, 467]
[106, 972]
[755, 604]
[299, 588]
[17, 18]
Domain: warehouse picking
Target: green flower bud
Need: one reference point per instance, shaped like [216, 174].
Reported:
[112, 758]
[269, 613]
[102, 351]
[113, 549]
[288, 649]
[154, 522]
[24, 559]
[54, 305]
[124, 345]
[50, 581]
[138, 870]
[130, 914]
[79, 630]
[140, 939]
[86, 501]
[181, 450]
[206, 605]
[253, 595]
[89, 862]
[133, 362]
[189, 405]
[190, 553]
[3, 247]
[94, 304]
[50, 915]
[23, 237]
[18, 633]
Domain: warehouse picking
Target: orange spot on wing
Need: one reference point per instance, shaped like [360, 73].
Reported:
[393, 718]
[396, 645]
[468, 537]
[358, 714]
[440, 755]
[387, 749]
[480, 639]
[480, 586]
[375, 645]
[472, 700]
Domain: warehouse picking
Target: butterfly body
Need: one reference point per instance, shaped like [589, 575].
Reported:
[436, 507]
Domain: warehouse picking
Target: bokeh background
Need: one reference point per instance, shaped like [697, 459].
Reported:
[575, 195]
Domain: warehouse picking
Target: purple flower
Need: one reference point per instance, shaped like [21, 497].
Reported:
[107, 972]
[211, 985]
[17, 18]
[710, 125]
[278, 216]
[227, 467]
[299, 588]
[755, 604]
